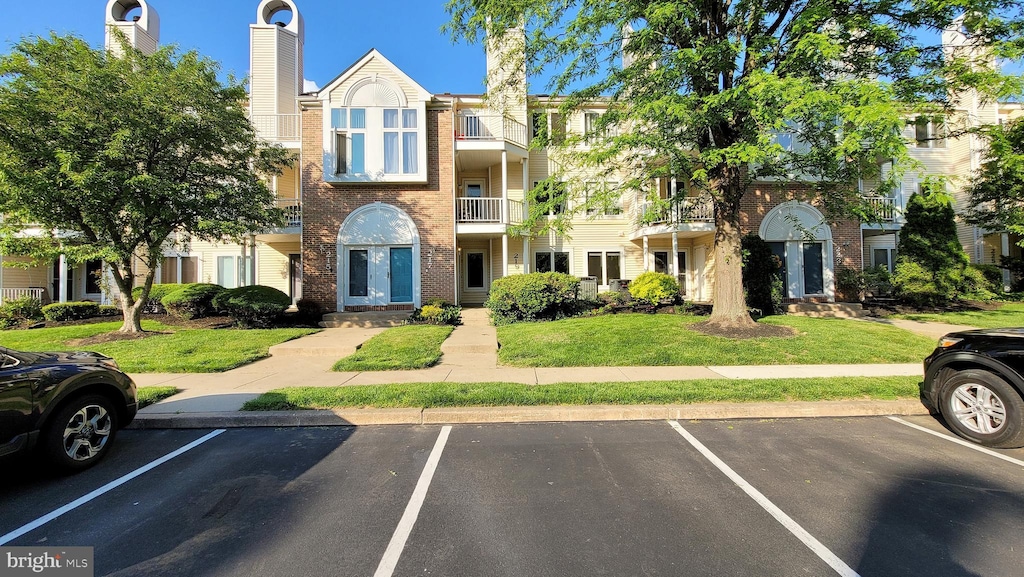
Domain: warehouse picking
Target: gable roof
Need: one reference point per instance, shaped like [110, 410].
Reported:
[324, 93]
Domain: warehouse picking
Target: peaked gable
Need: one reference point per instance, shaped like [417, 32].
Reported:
[373, 80]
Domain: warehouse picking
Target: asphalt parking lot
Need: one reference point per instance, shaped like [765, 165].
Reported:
[857, 496]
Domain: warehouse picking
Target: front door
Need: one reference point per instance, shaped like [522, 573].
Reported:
[295, 276]
[378, 275]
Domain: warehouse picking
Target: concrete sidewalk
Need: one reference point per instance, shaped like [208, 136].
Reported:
[470, 356]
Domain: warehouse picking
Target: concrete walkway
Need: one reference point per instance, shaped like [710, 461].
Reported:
[470, 356]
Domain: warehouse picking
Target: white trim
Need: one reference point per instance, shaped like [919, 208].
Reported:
[363, 227]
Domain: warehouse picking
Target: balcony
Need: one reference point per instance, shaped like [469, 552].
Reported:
[490, 128]
[884, 207]
[278, 127]
[691, 209]
[292, 208]
[486, 215]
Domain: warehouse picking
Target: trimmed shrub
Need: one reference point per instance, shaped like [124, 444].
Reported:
[156, 294]
[762, 276]
[616, 298]
[192, 301]
[308, 311]
[108, 311]
[255, 306]
[878, 281]
[16, 312]
[653, 288]
[72, 311]
[534, 296]
[851, 283]
[437, 312]
[993, 276]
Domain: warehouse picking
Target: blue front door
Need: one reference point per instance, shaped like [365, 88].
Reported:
[401, 275]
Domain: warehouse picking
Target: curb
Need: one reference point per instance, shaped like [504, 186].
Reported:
[541, 414]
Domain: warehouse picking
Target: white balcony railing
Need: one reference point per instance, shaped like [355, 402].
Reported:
[690, 209]
[277, 127]
[475, 209]
[884, 207]
[490, 127]
[9, 294]
[292, 208]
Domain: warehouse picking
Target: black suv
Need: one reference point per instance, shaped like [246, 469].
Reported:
[975, 379]
[69, 405]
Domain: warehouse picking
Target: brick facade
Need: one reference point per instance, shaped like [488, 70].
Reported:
[325, 207]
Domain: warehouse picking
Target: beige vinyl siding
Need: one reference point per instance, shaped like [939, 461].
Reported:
[37, 276]
[264, 71]
[372, 67]
[288, 183]
[272, 264]
[477, 296]
[288, 84]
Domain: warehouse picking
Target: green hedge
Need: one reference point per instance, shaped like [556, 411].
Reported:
[534, 296]
[71, 311]
[437, 312]
[254, 306]
[20, 311]
[192, 301]
[653, 288]
[156, 294]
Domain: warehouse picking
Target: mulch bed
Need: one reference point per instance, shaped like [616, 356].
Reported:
[887, 307]
[737, 331]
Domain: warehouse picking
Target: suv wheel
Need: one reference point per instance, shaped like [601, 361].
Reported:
[80, 433]
[984, 408]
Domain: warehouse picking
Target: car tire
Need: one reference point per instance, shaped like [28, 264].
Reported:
[80, 433]
[982, 407]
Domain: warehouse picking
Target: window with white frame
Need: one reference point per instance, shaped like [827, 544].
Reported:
[548, 124]
[233, 271]
[592, 130]
[884, 258]
[551, 261]
[930, 131]
[369, 140]
[606, 266]
[553, 192]
[599, 200]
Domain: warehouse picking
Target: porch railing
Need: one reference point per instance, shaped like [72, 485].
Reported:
[490, 127]
[9, 294]
[884, 207]
[690, 209]
[477, 209]
[277, 127]
[292, 208]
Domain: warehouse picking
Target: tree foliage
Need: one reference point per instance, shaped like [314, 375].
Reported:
[726, 93]
[997, 190]
[120, 157]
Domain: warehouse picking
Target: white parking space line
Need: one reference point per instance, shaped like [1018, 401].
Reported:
[813, 544]
[412, 510]
[959, 441]
[104, 489]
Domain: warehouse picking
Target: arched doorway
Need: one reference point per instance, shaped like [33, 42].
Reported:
[378, 258]
[800, 237]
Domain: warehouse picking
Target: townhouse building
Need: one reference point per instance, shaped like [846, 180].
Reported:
[397, 195]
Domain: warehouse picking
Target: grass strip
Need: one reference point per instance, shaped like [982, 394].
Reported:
[1008, 315]
[400, 348]
[667, 340]
[432, 395]
[151, 395]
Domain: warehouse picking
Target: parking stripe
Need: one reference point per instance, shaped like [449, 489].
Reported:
[813, 544]
[959, 441]
[104, 489]
[412, 510]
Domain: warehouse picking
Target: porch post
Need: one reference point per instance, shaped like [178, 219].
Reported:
[674, 259]
[252, 259]
[1005, 241]
[646, 252]
[526, 255]
[63, 279]
[504, 255]
[504, 197]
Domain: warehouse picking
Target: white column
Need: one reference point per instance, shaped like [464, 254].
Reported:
[63, 278]
[504, 255]
[674, 258]
[1005, 241]
[526, 255]
[252, 261]
[647, 249]
[504, 198]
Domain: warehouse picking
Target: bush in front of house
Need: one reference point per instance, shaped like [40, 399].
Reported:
[108, 311]
[308, 311]
[437, 312]
[156, 293]
[653, 288]
[253, 307]
[20, 311]
[534, 296]
[762, 278]
[192, 301]
[72, 311]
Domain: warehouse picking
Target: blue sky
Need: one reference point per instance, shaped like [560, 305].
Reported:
[338, 32]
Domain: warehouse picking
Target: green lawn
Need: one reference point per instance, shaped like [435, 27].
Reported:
[639, 339]
[150, 395]
[1009, 315]
[183, 351]
[408, 347]
[428, 395]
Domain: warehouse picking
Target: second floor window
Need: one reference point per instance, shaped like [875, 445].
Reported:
[930, 131]
[555, 193]
[376, 140]
[599, 199]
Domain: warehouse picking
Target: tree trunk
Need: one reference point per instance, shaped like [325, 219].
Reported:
[730, 307]
[131, 309]
[132, 315]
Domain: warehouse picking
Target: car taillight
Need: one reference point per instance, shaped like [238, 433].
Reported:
[948, 341]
